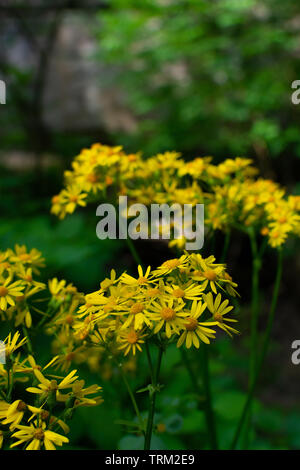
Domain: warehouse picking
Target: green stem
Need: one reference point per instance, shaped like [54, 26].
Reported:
[10, 382]
[256, 265]
[149, 361]
[208, 408]
[191, 372]
[213, 243]
[209, 417]
[28, 342]
[152, 400]
[264, 350]
[47, 316]
[130, 392]
[226, 246]
[132, 397]
[133, 251]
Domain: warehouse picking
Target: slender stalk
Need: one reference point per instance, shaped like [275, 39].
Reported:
[132, 397]
[149, 361]
[213, 243]
[133, 251]
[208, 408]
[47, 316]
[10, 382]
[152, 400]
[191, 372]
[263, 353]
[225, 247]
[8, 387]
[256, 265]
[28, 343]
[127, 385]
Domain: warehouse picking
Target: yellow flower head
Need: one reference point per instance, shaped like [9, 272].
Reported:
[38, 436]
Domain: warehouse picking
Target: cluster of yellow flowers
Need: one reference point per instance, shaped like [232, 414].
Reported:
[17, 283]
[19, 286]
[71, 333]
[33, 423]
[178, 302]
[260, 204]
[233, 195]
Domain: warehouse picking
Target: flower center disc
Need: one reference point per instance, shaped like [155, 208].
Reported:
[55, 200]
[191, 324]
[3, 291]
[24, 256]
[39, 434]
[136, 308]
[210, 275]
[178, 293]
[167, 313]
[21, 406]
[152, 292]
[171, 263]
[92, 178]
[218, 317]
[132, 337]
[69, 319]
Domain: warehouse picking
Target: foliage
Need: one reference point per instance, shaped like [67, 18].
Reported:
[211, 77]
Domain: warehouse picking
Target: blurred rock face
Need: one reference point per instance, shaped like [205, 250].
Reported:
[77, 95]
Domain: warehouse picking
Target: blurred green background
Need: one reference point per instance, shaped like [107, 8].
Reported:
[199, 77]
